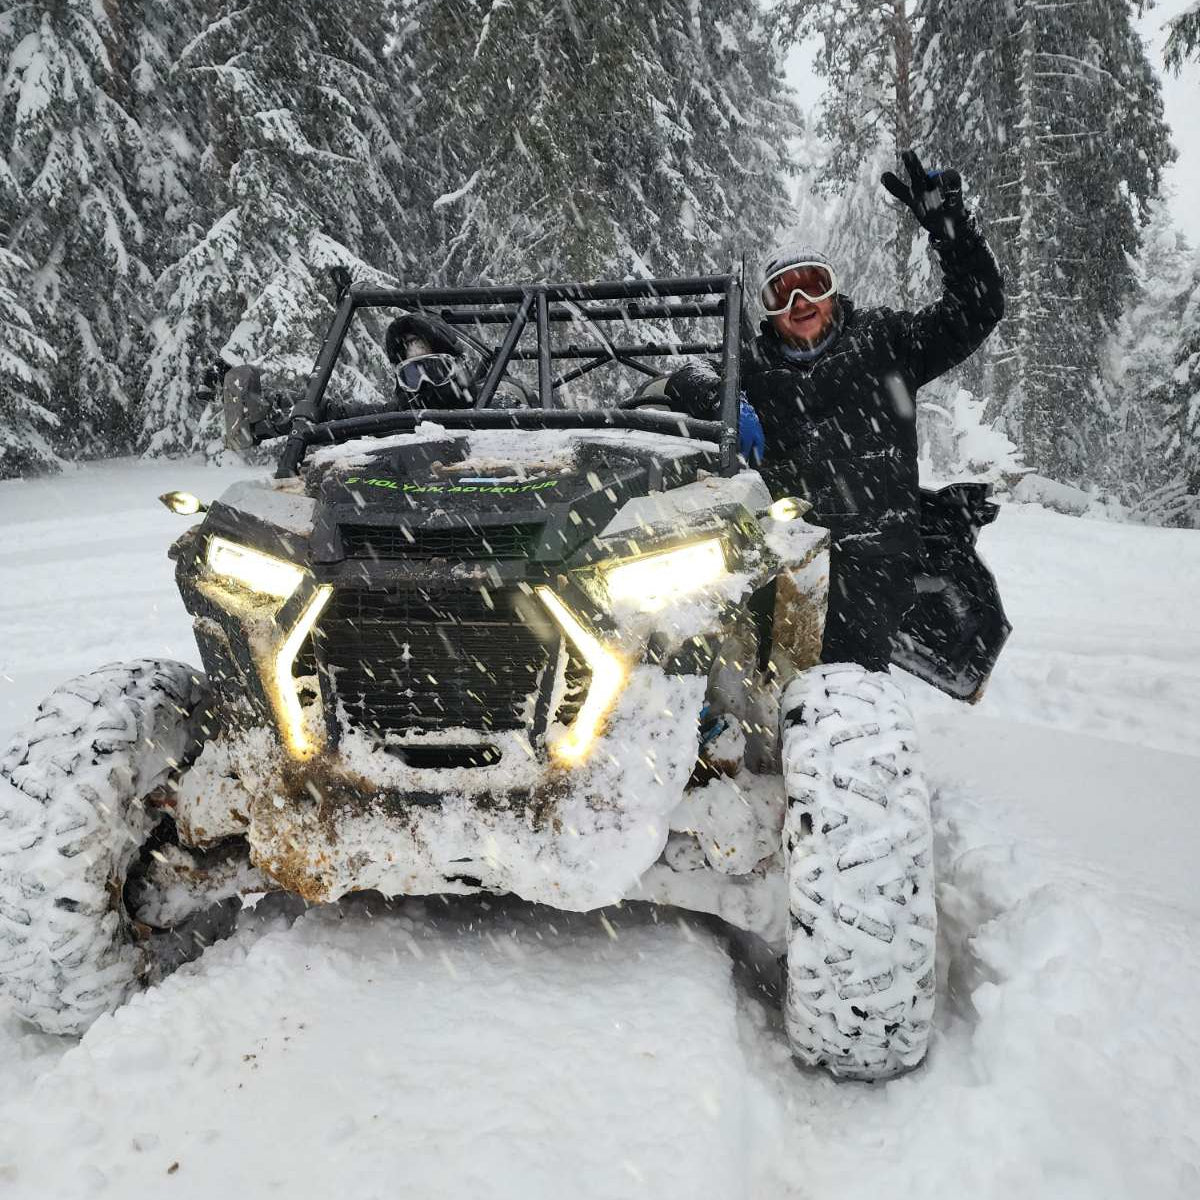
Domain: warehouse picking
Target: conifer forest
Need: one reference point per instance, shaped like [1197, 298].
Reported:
[178, 177]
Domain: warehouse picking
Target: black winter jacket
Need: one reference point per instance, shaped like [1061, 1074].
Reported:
[841, 429]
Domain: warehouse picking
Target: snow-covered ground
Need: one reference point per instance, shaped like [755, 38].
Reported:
[484, 1048]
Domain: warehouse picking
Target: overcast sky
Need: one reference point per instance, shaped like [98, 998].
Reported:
[1181, 97]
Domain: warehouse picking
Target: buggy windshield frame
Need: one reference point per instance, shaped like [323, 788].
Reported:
[540, 307]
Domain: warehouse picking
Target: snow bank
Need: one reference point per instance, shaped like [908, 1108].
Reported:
[1049, 493]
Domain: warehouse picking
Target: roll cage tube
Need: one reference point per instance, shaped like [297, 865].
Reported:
[705, 296]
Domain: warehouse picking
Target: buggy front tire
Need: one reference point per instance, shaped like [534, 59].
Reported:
[73, 818]
[859, 852]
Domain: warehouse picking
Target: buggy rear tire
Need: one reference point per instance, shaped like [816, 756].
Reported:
[73, 818]
[859, 850]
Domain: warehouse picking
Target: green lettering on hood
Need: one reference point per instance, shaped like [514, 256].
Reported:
[457, 489]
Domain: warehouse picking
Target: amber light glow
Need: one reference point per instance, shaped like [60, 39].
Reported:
[608, 678]
[286, 694]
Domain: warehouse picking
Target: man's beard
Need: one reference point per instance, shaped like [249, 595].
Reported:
[808, 341]
[815, 344]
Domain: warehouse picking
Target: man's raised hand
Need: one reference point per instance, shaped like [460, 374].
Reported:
[935, 197]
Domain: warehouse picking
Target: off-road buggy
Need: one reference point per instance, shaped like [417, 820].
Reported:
[569, 654]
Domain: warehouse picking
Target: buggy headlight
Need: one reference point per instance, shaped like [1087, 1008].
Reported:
[608, 677]
[654, 580]
[252, 569]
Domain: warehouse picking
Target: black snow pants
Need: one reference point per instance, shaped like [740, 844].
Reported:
[868, 596]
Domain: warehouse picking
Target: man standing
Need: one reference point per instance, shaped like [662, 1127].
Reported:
[835, 386]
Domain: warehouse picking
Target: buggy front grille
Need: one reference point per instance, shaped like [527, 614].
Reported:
[461, 542]
[403, 660]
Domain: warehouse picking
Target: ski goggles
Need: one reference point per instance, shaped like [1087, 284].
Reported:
[814, 281]
[434, 369]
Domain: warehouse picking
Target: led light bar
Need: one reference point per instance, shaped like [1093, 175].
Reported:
[252, 569]
[287, 696]
[655, 580]
[608, 678]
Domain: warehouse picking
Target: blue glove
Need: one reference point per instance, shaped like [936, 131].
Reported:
[752, 442]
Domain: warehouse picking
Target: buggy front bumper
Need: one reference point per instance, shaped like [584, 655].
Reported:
[359, 818]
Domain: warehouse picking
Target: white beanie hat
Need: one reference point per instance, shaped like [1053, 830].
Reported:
[790, 253]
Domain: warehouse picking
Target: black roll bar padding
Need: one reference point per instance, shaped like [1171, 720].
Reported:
[731, 381]
[577, 372]
[545, 383]
[504, 353]
[603, 360]
[309, 407]
[640, 367]
[293, 452]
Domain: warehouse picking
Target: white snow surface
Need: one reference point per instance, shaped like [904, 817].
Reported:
[451, 1048]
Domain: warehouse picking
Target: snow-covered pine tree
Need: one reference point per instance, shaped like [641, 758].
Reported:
[1183, 37]
[1133, 383]
[726, 120]
[299, 125]
[26, 424]
[69, 206]
[964, 106]
[1181, 406]
[868, 116]
[956, 441]
[1055, 115]
[571, 140]
[863, 241]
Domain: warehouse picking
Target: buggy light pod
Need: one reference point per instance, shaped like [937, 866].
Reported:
[287, 697]
[608, 677]
[252, 569]
[652, 581]
[789, 508]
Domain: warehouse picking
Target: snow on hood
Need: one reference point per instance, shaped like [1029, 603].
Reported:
[284, 508]
[491, 448]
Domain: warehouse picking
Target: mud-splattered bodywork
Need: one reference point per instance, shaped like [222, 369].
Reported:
[409, 718]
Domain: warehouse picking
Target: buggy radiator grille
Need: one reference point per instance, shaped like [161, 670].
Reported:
[462, 542]
[406, 660]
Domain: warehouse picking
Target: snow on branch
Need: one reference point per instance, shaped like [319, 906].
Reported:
[453, 197]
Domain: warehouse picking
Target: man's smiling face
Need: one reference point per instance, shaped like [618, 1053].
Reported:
[807, 322]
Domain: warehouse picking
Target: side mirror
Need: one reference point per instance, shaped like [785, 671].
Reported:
[244, 407]
[789, 508]
[184, 504]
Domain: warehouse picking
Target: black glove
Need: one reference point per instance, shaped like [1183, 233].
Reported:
[935, 197]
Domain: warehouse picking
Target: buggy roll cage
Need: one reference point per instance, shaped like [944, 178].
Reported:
[547, 305]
